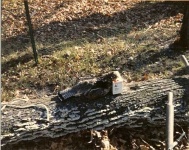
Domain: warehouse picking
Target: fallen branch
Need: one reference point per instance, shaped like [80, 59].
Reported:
[140, 104]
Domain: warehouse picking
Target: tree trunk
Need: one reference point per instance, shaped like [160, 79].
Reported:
[140, 104]
[184, 33]
[183, 42]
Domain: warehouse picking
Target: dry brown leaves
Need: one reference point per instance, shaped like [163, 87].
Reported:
[145, 138]
[46, 11]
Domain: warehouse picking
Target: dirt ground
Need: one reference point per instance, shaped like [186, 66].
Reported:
[84, 38]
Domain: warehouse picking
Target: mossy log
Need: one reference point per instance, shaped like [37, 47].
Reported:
[141, 103]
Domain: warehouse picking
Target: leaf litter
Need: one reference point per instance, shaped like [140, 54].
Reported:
[81, 38]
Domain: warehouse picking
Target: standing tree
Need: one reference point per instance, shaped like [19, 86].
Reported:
[183, 41]
[31, 31]
[184, 33]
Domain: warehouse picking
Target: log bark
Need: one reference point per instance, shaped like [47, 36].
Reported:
[141, 103]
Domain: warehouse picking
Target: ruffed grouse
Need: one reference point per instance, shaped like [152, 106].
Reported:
[90, 88]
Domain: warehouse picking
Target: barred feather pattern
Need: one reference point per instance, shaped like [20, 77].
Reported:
[96, 93]
[90, 88]
[77, 90]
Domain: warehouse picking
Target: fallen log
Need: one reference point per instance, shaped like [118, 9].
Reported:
[141, 103]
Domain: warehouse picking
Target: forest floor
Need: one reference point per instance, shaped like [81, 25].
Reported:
[82, 38]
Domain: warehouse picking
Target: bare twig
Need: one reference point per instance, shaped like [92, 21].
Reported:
[147, 144]
[185, 61]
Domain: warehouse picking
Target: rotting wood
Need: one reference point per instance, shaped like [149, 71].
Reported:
[142, 103]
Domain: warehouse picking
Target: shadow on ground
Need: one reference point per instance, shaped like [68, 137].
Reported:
[91, 28]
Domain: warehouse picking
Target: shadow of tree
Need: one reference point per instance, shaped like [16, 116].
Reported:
[15, 61]
[91, 28]
[165, 60]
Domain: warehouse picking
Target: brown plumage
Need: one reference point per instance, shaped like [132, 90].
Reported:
[91, 88]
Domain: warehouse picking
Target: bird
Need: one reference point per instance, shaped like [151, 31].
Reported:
[90, 88]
